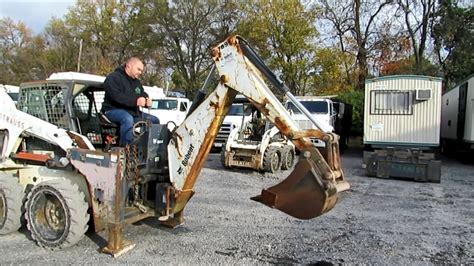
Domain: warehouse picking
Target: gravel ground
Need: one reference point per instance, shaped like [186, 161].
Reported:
[378, 221]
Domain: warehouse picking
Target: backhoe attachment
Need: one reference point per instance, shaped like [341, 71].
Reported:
[313, 186]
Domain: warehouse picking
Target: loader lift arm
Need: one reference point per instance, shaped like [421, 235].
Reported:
[310, 190]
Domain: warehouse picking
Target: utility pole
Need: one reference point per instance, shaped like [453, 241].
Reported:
[79, 57]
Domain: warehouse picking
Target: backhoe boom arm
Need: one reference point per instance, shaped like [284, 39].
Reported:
[316, 178]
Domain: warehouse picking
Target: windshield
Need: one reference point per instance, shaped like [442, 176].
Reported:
[165, 104]
[14, 95]
[238, 109]
[317, 107]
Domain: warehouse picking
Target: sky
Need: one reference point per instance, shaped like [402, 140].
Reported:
[34, 13]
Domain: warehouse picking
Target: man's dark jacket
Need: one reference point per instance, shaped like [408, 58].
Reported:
[122, 92]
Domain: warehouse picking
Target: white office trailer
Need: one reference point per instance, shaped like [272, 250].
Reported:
[457, 117]
[402, 120]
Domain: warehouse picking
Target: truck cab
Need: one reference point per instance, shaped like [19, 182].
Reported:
[336, 114]
[322, 108]
[240, 113]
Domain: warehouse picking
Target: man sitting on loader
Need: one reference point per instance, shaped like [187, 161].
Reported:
[124, 95]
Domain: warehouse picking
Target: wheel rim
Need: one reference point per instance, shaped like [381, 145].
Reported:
[3, 208]
[49, 216]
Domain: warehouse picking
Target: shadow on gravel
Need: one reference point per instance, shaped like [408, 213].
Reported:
[100, 239]
[155, 224]
[462, 157]
[97, 239]
[23, 230]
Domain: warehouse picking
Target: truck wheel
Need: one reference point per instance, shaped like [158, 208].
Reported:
[271, 160]
[56, 214]
[287, 157]
[223, 158]
[11, 201]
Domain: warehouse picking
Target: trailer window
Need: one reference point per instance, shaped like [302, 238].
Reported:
[384, 102]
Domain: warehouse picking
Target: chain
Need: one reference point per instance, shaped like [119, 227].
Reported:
[133, 173]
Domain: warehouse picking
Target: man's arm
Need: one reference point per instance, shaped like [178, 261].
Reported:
[148, 100]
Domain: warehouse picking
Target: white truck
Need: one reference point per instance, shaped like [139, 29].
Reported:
[457, 117]
[170, 109]
[335, 116]
[238, 115]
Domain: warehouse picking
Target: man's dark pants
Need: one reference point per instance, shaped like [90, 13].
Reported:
[126, 121]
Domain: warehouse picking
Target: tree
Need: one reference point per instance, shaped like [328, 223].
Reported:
[453, 37]
[285, 30]
[20, 51]
[340, 19]
[361, 33]
[185, 31]
[356, 24]
[330, 75]
[417, 15]
[111, 32]
[62, 49]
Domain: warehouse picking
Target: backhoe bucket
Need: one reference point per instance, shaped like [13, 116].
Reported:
[303, 194]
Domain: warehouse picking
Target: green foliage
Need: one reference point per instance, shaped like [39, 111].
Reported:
[355, 97]
[453, 35]
[20, 53]
[62, 49]
[185, 31]
[330, 75]
[284, 33]
[407, 66]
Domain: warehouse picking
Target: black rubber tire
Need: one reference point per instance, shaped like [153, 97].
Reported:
[223, 158]
[11, 202]
[272, 160]
[287, 157]
[56, 214]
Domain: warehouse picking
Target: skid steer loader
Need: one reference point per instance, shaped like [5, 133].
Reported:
[258, 145]
[52, 173]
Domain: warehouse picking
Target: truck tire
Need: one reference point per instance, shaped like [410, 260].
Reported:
[223, 158]
[56, 214]
[11, 202]
[272, 160]
[287, 157]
